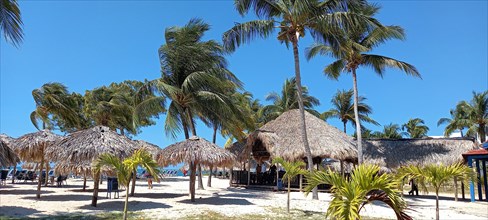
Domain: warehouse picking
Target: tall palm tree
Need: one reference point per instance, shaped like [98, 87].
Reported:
[390, 131]
[458, 121]
[477, 114]
[292, 18]
[366, 185]
[416, 128]
[436, 175]
[53, 103]
[124, 168]
[288, 100]
[293, 169]
[351, 48]
[11, 22]
[194, 78]
[343, 109]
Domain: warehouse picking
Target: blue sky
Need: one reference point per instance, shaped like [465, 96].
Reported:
[87, 44]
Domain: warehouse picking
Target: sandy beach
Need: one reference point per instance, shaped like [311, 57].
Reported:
[169, 200]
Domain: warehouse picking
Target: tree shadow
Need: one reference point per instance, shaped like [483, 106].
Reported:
[244, 195]
[160, 195]
[61, 198]
[23, 192]
[17, 211]
[217, 201]
[118, 205]
[432, 197]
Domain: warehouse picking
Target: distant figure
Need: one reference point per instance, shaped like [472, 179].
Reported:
[184, 172]
[272, 173]
[263, 168]
[414, 188]
[149, 180]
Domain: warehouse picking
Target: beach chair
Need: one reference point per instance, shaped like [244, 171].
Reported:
[61, 179]
[3, 177]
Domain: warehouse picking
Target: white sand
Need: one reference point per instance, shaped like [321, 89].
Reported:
[169, 199]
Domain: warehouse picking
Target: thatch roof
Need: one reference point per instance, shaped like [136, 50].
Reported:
[7, 155]
[84, 146]
[392, 154]
[32, 146]
[151, 148]
[282, 138]
[237, 148]
[195, 149]
[64, 168]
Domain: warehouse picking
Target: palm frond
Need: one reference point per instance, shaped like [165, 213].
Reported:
[246, 32]
[379, 63]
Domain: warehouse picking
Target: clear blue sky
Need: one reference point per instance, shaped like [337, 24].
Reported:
[87, 44]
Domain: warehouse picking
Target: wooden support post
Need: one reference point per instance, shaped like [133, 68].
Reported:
[301, 183]
[485, 179]
[478, 172]
[248, 172]
[462, 190]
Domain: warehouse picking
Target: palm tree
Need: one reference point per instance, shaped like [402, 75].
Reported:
[292, 18]
[477, 114]
[416, 128]
[390, 131]
[458, 121]
[436, 175]
[293, 169]
[343, 109]
[351, 49]
[288, 100]
[11, 22]
[124, 168]
[366, 185]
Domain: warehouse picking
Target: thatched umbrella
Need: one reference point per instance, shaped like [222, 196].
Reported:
[149, 147]
[282, 138]
[7, 155]
[195, 150]
[85, 146]
[32, 147]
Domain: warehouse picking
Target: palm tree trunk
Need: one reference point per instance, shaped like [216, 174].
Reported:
[46, 179]
[437, 204]
[356, 116]
[39, 182]
[126, 200]
[133, 182]
[200, 180]
[192, 181]
[481, 129]
[209, 181]
[13, 173]
[345, 124]
[84, 181]
[298, 80]
[288, 201]
[96, 178]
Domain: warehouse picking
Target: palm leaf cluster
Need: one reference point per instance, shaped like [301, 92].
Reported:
[11, 22]
[415, 128]
[293, 169]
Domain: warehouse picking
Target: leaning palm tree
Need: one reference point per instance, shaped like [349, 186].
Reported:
[366, 185]
[415, 128]
[458, 121]
[436, 175]
[288, 100]
[293, 18]
[124, 168]
[351, 48]
[343, 109]
[477, 114]
[11, 22]
[293, 169]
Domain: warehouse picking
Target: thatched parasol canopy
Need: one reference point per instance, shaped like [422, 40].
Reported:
[86, 145]
[282, 137]
[195, 149]
[151, 148]
[31, 147]
[7, 155]
[395, 153]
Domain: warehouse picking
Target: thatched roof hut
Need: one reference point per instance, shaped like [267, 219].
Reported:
[86, 145]
[195, 149]
[282, 138]
[7, 156]
[150, 147]
[31, 147]
[392, 153]
[237, 148]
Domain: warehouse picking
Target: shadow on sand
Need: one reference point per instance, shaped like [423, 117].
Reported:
[432, 197]
[61, 198]
[216, 201]
[23, 192]
[17, 211]
[118, 205]
[156, 195]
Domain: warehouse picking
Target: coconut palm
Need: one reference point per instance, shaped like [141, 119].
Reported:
[436, 175]
[11, 22]
[124, 168]
[415, 128]
[288, 100]
[293, 169]
[352, 49]
[477, 114]
[293, 18]
[343, 109]
[390, 131]
[366, 185]
[458, 121]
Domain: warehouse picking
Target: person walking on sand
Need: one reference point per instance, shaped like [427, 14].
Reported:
[149, 180]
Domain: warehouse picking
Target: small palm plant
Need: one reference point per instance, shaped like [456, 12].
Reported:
[436, 175]
[292, 170]
[124, 168]
[364, 186]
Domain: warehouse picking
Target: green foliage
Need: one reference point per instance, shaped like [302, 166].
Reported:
[11, 22]
[458, 121]
[364, 186]
[390, 131]
[476, 112]
[292, 168]
[416, 128]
